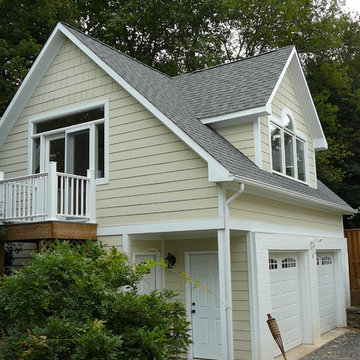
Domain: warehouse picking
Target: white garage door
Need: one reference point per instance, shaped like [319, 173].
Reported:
[327, 291]
[285, 297]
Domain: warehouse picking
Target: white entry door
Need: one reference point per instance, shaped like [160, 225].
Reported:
[205, 305]
[285, 298]
[327, 291]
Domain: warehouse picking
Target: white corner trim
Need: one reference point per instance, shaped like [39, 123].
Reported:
[257, 143]
[259, 111]
[161, 227]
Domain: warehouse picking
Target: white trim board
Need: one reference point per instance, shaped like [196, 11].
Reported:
[302, 90]
[162, 227]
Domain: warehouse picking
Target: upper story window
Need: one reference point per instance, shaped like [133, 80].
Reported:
[75, 140]
[287, 148]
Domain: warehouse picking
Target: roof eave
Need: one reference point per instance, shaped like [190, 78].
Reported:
[303, 92]
[297, 198]
[236, 116]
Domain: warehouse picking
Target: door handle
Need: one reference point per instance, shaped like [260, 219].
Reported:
[193, 311]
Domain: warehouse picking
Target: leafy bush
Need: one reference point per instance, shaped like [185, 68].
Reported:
[81, 303]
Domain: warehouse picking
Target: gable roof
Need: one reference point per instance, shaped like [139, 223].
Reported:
[164, 97]
[233, 87]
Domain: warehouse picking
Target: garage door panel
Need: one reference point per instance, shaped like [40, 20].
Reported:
[285, 297]
[327, 291]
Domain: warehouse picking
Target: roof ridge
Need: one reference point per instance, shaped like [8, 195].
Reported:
[114, 49]
[234, 61]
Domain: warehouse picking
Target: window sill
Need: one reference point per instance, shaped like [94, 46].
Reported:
[290, 177]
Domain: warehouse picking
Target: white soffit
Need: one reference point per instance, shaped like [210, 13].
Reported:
[236, 117]
[307, 104]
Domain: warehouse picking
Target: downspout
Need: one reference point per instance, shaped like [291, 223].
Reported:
[226, 250]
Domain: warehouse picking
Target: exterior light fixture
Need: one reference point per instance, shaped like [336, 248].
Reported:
[170, 260]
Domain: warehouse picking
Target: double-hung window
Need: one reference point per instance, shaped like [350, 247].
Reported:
[74, 140]
[287, 148]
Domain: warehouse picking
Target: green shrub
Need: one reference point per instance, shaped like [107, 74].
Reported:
[81, 303]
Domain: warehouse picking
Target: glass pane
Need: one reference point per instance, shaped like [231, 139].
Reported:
[289, 155]
[70, 120]
[57, 153]
[276, 148]
[36, 156]
[99, 156]
[78, 152]
[288, 123]
[300, 154]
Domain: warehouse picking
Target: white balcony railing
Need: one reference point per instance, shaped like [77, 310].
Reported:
[48, 196]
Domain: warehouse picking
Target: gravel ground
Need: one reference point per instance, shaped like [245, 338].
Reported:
[344, 347]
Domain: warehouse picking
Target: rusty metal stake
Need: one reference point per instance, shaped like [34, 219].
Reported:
[275, 332]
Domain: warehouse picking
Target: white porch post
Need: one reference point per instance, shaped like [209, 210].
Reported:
[52, 191]
[225, 305]
[126, 244]
[91, 200]
[1, 175]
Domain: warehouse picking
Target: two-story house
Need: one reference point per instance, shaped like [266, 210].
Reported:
[216, 167]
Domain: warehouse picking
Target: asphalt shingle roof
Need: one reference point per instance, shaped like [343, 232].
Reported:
[227, 88]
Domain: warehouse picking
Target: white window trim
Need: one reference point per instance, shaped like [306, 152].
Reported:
[299, 135]
[68, 111]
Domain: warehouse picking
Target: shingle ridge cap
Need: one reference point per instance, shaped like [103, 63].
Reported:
[233, 62]
[114, 49]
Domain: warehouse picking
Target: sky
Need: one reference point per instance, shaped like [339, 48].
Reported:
[353, 5]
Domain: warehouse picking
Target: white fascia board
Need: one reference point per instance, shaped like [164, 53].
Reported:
[30, 82]
[296, 198]
[147, 104]
[307, 104]
[320, 144]
[280, 79]
[259, 111]
[162, 227]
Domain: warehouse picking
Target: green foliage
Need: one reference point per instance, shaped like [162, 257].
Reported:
[81, 303]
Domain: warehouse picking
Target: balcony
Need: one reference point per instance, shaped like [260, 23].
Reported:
[48, 196]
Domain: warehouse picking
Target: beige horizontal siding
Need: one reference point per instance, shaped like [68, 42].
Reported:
[286, 98]
[111, 241]
[272, 212]
[265, 144]
[240, 299]
[154, 176]
[241, 136]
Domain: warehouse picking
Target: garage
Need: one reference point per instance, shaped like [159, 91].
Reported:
[285, 297]
[327, 291]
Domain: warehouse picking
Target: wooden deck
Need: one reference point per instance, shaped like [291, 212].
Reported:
[47, 230]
